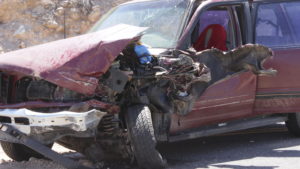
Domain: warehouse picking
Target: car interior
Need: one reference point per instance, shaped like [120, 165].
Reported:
[215, 29]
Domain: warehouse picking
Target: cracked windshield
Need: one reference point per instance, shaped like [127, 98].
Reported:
[163, 18]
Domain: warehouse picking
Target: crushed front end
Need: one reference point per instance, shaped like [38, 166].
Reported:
[67, 91]
[78, 91]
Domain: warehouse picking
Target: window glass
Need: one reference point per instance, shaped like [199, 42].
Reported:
[219, 34]
[220, 17]
[293, 12]
[164, 18]
[278, 24]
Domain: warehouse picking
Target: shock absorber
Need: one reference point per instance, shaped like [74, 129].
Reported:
[113, 139]
[108, 125]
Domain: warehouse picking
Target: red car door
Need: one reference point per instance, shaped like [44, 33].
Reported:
[228, 99]
[277, 26]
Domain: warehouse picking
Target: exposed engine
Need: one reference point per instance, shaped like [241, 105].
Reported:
[164, 82]
[29, 89]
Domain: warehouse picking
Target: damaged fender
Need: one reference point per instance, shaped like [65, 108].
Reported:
[182, 87]
[248, 57]
[74, 63]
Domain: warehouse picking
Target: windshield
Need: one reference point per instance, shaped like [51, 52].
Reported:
[163, 17]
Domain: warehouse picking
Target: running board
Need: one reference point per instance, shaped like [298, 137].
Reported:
[228, 127]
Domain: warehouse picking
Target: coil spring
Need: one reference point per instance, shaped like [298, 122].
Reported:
[108, 125]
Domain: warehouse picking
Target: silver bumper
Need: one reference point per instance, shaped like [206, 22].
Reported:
[47, 127]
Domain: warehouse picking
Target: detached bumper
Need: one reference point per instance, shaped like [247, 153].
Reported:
[48, 127]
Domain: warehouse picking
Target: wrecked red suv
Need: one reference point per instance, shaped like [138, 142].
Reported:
[153, 72]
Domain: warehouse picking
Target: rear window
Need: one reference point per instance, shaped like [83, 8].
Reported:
[278, 24]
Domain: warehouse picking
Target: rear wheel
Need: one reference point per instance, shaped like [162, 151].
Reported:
[293, 124]
[19, 152]
[142, 138]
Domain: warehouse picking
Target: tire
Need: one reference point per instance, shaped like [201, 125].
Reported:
[293, 124]
[142, 138]
[19, 152]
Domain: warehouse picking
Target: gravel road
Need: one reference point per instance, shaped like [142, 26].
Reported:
[257, 149]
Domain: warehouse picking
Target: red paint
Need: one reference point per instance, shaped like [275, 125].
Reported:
[74, 63]
[41, 104]
[286, 62]
[277, 105]
[228, 99]
[77, 63]
[280, 94]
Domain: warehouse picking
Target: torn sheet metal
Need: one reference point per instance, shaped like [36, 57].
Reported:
[191, 86]
[74, 63]
[248, 57]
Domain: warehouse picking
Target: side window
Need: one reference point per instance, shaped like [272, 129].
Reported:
[293, 12]
[276, 26]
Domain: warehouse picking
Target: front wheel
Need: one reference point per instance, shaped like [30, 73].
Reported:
[293, 124]
[142, 138]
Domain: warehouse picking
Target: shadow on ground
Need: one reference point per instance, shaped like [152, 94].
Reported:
[210, 151]
[243, 150]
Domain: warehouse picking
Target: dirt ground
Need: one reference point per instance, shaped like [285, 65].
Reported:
[266, 148]
[7, 163]
[33, 163]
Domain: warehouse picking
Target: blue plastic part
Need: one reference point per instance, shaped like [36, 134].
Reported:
[143, 54]
[145, 59]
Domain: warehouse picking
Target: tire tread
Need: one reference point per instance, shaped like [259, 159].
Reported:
[143, 139]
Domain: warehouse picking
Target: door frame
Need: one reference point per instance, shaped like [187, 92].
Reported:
[184, 41]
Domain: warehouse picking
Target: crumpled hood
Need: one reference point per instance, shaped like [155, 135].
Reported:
[74, 63]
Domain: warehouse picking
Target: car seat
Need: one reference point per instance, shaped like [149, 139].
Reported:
[213, 36]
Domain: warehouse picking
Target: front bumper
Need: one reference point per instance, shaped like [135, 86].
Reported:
[48, 127]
